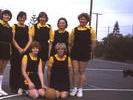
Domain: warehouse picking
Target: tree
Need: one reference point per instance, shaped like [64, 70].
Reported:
[116, 29]
[33, 20]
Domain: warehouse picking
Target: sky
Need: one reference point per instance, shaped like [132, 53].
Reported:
[111, 10]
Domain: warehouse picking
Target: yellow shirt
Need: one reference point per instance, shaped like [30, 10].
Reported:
[92, 31]
[32, 31]
[51, 60]
[13, 28]
[61, 32]
[4, 24]
[25, 59]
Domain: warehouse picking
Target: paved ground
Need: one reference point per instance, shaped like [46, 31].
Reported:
[105, 81]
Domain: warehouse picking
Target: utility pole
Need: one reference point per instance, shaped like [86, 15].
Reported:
[108, 30]
[97, 14]
[91, 4]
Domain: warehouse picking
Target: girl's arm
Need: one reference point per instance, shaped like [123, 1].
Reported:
[14, 41]
[48, 75]
[28, 44]
[23, 68]
[50, 48]
[40, 74]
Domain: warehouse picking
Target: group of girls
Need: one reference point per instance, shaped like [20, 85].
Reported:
[28, 50]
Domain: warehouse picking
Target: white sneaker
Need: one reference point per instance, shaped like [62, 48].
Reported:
[73, 92]
[20, 91]
[80, 93]
[3, 93]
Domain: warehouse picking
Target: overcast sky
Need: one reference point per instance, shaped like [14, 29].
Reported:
[111, 10]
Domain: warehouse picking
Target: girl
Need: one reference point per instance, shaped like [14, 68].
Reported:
[5, 41]
[32, 72]
[60, 35]
[59, 71]
[43, 33]
[21, 42]
[83, 39]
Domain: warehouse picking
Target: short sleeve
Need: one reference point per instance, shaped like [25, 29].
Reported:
[69, 62]
[13, 28]
[51, 33]
[24, 59]
[50, 62]
[32, 30]
[40, 63]
[93, 35]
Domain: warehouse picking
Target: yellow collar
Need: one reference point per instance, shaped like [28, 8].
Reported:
[4, 24]
[19, 25]
[61, 31]
[60, 59]
[83, 28]
[39, 25]
[33, 58]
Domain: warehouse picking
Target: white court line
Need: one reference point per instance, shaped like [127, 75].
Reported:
[120, 90]
[9, 96]
[116, 70]
[93, 86]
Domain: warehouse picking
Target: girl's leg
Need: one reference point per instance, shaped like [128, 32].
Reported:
[82, 77]
[57, 94]
[82, 72]
[33, 93]
[64, 94]
[75, 65]
[41, 92]
[3, 64]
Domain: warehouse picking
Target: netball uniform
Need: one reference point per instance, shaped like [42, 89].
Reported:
[5, 40]
[59, 79]
[60, 37]
[82, 38]
[32, 70]
[43, 34]
[22, 37]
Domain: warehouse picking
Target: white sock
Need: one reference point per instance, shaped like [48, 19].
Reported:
[1, 78]
[80, 89]
[75, 88]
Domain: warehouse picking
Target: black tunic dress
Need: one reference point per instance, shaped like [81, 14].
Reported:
[42, 36]
[59, 75]
[82, 45]
[5, 41]
[32, 71]
[22, 38]
[60, 38]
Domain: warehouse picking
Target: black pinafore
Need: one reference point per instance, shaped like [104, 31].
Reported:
[59, 75]
[82, 45]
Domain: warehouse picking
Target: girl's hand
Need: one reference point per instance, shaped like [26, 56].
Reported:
[20, 50]
[31, 85]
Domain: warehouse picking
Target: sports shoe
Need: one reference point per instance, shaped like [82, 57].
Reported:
[80, 93]
[3, 93]
[20, 91]
[73, 92]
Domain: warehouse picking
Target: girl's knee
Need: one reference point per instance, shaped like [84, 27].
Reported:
[64, 95]
[41, 92]
[33, 93]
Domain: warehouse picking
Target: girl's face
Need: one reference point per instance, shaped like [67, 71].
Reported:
[35, 50]
[22, 19]
[62, 24]
[60, 51]
[42, 19]
[83, 21]
[6, 17]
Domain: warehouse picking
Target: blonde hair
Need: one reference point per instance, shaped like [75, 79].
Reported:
[60, 46]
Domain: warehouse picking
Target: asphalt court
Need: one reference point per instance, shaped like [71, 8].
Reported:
[104, 81]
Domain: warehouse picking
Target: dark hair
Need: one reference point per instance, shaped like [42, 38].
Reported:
[64, 20]
[41, 14]
[21, 14]
[6, 12]
[86, 15]
[35, 44]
